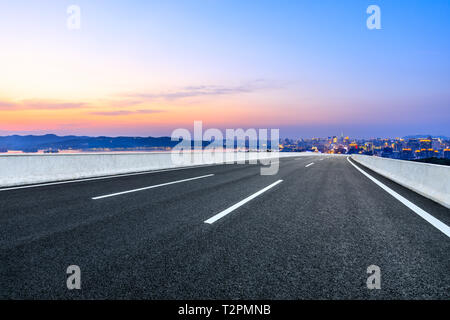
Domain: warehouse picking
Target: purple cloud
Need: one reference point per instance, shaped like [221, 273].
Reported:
[123, 112]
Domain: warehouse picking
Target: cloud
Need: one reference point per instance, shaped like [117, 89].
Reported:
[48, 104]
[35, 104]
[121, 103]
[123, 112]
[6, 105]
[205, 90]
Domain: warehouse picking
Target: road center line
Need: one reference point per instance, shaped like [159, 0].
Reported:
[422, 213]
[240, 203]
[151, 187]
[309, 164]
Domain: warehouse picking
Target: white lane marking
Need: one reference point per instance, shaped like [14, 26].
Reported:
[309, 164]
[422, 213]
[151, 187]
[240, 203]
[106, 177]
[320, 159]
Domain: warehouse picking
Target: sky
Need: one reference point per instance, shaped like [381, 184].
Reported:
[311, 68]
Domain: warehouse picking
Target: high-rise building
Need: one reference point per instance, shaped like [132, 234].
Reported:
[436, 144]
[425, 144]
[413, 144]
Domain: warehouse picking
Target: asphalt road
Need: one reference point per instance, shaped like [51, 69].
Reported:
[311, 236]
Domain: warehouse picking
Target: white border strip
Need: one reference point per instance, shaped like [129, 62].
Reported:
[240, 203]
[422, 213]
[106, 177]
[150, 187]
[121, 175]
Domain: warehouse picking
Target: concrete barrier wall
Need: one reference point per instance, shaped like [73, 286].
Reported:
[429, 180]
[20, 169]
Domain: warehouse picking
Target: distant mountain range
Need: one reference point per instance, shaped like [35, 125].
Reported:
[51, 141]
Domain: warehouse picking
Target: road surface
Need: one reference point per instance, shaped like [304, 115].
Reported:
[223, 232]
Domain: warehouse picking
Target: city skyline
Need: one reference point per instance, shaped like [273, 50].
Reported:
[333, 134]
[147, 68]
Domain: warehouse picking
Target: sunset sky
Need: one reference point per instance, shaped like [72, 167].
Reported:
[310, 68]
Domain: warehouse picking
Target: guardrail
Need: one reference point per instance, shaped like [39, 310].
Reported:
[430, 180]
[22, 169]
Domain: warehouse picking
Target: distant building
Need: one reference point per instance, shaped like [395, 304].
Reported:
[436, 144]
[425, 153]
[51, 151]
[406, 154]
[425, 144]
[30, 150]
[413, 144]
[387, 152]
[353, 148]
[446, 153]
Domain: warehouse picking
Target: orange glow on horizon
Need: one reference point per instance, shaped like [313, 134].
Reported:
[105, 115]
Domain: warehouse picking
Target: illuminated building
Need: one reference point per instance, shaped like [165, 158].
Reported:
[425, 144]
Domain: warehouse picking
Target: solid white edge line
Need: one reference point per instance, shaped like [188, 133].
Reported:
[422, 213]
[309, 164]
[240, 203]
[151, 187]
[105, 177]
